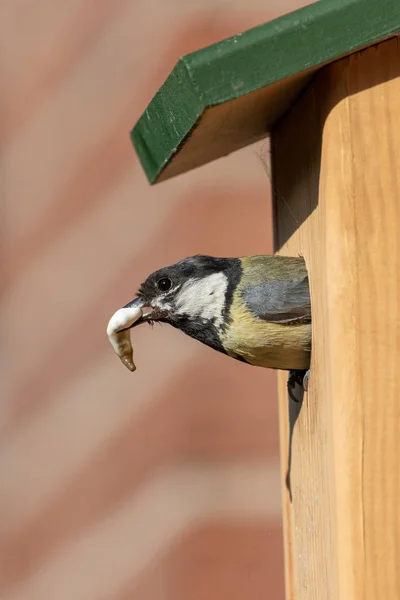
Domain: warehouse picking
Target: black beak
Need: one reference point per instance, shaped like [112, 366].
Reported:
[149, 314]
[138, 303]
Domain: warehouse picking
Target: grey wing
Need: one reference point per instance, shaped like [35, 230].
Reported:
[280, 301]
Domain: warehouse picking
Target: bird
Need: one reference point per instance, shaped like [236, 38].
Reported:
[255, 309]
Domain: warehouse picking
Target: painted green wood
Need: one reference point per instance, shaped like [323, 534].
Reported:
[297, 42]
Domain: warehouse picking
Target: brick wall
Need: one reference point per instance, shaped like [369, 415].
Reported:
[157, 485]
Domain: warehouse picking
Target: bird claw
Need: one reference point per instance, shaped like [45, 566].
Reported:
[299, 377]
[305, 380]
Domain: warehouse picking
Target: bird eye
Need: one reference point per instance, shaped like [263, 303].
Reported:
[164, 284]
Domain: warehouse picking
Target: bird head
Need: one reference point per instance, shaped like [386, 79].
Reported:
[193, 295]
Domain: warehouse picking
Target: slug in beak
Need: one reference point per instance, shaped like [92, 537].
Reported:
[118, 331]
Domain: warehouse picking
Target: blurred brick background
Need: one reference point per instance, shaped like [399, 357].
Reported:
[164, 484]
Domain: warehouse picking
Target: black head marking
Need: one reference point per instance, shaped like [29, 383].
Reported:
[194, 267]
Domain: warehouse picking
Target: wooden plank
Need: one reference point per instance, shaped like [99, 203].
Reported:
[230, 94]
[336, 173]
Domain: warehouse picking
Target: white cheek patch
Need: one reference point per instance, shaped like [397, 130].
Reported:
[161, 304]
[204, 298]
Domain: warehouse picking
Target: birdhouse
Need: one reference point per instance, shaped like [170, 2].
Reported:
[324, 84]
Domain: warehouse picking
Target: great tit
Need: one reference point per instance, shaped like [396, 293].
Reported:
[256, 309]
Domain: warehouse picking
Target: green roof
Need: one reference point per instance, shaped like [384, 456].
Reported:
[230, 94]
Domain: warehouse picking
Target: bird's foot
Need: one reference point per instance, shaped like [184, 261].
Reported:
[299, 377]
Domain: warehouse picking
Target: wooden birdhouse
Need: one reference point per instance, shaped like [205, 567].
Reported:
[324, 84]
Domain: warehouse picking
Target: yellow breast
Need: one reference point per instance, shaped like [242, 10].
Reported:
[260, 343]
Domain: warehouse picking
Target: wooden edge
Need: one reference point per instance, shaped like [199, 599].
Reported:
[337, 204]
[279, 51]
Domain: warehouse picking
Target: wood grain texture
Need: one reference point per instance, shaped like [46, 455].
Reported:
[282, 54]
[337, 188]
